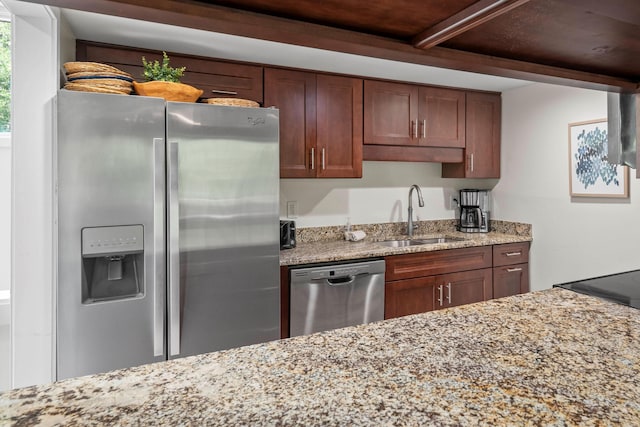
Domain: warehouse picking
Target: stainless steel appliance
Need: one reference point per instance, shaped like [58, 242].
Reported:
[621, 288]
[167, 242]
[474, 211]
[334, 296]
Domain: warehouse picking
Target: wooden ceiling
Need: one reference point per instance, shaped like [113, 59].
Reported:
[586, 43]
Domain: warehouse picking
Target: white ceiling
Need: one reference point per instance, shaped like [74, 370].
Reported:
[143, 34]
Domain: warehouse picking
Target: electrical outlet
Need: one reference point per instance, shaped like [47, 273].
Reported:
[292, 209]
[452, 203]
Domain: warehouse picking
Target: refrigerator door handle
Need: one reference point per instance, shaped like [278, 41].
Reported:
[158, 285]
[174, 252]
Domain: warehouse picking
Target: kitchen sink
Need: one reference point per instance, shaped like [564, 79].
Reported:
[417, 242]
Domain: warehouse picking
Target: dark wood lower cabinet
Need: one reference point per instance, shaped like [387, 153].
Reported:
[410, 296]
[510, 280]
[422, 294]
[465, 287]
[426, 281]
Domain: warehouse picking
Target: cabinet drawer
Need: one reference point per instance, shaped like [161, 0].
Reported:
[421, 264]
[510, 280]
[510, 253]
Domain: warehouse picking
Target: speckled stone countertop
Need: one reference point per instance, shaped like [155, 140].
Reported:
[551, 357]
[324, 244]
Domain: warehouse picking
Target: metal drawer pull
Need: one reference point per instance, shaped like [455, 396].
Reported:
[424, 128]
[471, 162]
[513, 253]
[440, 297]
[513, 270]
[224, 92]
[449, 292]
[313, 158]
[323, 159]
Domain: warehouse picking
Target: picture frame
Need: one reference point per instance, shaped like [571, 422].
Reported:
[590, 175]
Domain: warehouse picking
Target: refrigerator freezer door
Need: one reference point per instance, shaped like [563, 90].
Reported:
[110, 195]
[225, 283]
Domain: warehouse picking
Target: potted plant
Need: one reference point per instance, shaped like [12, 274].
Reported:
[164, 81]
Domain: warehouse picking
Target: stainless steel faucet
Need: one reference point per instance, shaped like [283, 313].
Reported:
[420, 202]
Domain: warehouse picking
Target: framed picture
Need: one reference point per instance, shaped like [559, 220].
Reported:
[590, 174]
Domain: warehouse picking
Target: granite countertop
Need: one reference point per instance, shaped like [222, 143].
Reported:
[551, 357]
[325, 244]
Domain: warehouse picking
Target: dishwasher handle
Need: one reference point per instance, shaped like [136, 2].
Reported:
[341, 281]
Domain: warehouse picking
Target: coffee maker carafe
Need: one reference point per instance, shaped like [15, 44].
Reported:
[474, 211]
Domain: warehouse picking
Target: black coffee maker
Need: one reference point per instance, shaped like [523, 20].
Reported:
[474, 211]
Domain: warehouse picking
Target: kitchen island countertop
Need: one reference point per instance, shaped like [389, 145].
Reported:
[550, 357]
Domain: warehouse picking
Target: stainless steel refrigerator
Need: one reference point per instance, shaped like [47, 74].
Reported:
[167, 230]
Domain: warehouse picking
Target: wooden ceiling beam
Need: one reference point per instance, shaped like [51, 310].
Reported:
[474, 15]
[231, 21]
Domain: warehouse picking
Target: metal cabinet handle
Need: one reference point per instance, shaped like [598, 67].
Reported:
[441, 294]
[414, 126]
[424, 128]
[224, 92]
[471, 161]
[323, 165]
[313, 158]
[174, 252]
[449, 292]
[513, 254]
[513, 270]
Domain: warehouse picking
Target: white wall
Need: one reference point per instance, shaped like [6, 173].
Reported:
[573, 238]
[380, 196]
[34, 84]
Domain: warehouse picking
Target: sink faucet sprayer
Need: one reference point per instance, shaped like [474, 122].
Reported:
[420, 202]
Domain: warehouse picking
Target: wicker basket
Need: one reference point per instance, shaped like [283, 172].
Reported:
[233, 102]
[87, 67]
[170, 91]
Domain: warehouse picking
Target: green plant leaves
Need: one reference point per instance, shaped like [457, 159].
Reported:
[162, 72]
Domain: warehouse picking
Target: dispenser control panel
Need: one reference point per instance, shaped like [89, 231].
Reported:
[122, 239]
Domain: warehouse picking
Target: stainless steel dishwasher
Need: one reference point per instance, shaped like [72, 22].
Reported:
[327, 297]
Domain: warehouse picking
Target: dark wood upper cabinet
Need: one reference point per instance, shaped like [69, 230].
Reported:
[408, 122]
[412, 115]
[218, 79]
[294, 94]
[339, 126]
[482, 151]
[390, 113]
[441, 117]
[320, 123]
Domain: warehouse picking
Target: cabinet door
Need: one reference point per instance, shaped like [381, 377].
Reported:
[510, 280]
[441, 117]
[464, 288]
[411, 296]
[339, 127]
[482, 152]
[294, 94]
[390, 113]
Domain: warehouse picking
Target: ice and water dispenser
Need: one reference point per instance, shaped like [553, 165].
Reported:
[112, 263]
